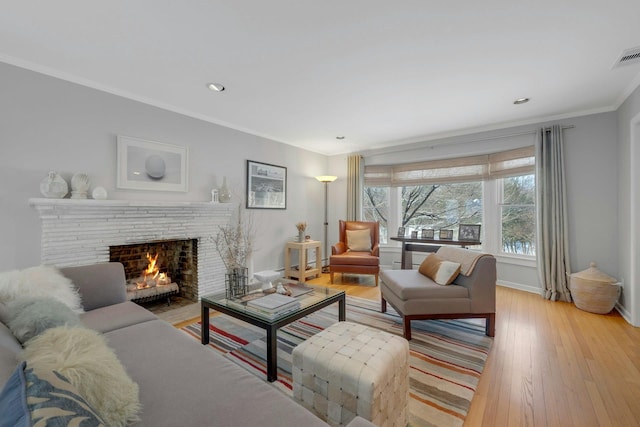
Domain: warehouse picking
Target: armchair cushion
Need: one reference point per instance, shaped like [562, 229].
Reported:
[439, 270]
[359, 240]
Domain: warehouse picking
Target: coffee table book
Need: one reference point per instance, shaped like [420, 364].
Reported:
[274, 302]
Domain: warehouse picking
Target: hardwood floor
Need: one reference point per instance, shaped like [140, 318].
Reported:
[551, 364]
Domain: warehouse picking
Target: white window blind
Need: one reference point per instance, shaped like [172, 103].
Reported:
[520, 161]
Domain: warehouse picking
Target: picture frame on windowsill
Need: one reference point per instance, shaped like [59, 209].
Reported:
[469, 233]
[445, 235]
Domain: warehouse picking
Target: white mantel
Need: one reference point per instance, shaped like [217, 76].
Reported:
[79, 232]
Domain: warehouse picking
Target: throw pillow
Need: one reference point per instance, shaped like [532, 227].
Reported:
[82, 356]
[31, 316]
[358, 240]
[33, 397]
[41, 281]
[440, 271]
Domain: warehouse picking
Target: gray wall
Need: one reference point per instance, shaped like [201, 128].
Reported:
[591, 173]
[49, 124]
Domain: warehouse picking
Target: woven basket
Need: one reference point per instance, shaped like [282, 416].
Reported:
[594, 291]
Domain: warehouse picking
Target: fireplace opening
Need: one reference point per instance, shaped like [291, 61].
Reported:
[157, 270]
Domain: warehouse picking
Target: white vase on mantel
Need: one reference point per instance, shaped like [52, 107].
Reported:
[224, 195]
[54, 186]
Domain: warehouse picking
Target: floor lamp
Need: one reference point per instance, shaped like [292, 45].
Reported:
[326, 179]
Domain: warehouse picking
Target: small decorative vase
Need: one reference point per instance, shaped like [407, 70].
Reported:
[224, 195]
[79, 186]
[215, 196]
[54, 186]
[301, 236]
[99, 193]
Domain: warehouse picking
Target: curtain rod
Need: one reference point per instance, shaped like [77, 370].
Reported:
[414, 147]
[531, 132]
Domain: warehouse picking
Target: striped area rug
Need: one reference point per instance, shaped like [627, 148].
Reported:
[446, 356]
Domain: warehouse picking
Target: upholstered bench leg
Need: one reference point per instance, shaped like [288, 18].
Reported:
[383, 305]
[406, 322]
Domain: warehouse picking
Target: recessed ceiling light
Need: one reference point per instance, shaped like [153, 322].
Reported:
[215, 87]
[339, 137]
[521, 101]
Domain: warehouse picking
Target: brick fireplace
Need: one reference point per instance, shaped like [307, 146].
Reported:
[178, 259]
[79, 232]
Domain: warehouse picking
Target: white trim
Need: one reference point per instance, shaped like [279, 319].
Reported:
[517, 260]
[634, 273]
[520, 287]
[626, 315]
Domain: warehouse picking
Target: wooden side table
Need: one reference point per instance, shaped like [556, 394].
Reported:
[302, 273]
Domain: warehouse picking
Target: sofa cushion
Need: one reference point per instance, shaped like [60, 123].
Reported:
[350, 258]
[439, 270]
[100, 284]
[33, 397]
[83, 357]
[30, 316]
[4, 318]
[219, 392]
[10, 348]
[41, 281]
[358, 240]
[412, 285]
[116, 316]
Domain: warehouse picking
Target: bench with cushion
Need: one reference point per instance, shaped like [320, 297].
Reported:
[471, 293]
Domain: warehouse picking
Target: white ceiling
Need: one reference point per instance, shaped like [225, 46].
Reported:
[304, 71]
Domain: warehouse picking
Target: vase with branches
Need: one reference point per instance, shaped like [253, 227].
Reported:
[234, 243]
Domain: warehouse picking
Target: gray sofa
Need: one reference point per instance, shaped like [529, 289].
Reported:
[182, 382]
[471, 295]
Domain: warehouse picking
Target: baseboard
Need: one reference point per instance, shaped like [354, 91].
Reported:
[624, 313]
[520, 287]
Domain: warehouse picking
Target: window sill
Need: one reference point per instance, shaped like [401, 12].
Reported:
[517, 260]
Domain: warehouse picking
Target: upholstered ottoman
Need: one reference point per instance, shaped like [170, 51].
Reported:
[350, 369]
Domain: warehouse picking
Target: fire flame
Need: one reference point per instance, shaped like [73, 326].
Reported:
[152, 276]
[151, 270]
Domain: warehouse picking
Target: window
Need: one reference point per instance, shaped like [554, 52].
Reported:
[444, 206]
[375, 207]
[494, 190]
[518, 215]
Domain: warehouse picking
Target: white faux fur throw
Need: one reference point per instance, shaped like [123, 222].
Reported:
[40, 281]
[84, 358]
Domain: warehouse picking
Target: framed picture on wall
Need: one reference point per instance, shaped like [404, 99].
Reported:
[266, 186]
[150, 165]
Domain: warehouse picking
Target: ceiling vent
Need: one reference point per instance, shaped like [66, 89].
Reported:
[628, 57]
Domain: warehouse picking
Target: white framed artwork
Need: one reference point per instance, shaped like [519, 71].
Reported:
[150, 165]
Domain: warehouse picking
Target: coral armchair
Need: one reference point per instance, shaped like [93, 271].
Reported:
[357, 251]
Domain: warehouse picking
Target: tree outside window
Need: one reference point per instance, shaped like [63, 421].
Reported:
[518, 215]
[444, 206]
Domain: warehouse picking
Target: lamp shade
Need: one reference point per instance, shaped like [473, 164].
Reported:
[326, 178]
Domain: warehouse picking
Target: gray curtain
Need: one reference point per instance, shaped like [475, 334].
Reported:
[355, 176]
[553, 235]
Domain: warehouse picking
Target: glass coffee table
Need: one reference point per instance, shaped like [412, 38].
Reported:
[312, 298]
